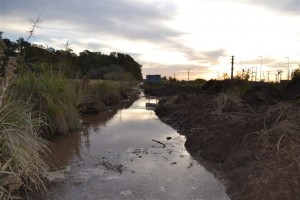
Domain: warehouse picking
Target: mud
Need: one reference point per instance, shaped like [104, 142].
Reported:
[252, 140]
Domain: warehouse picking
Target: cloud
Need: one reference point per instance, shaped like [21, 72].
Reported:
[287, 6]
[178, 34]
[266, 60]
[194, 55]
[132, 19]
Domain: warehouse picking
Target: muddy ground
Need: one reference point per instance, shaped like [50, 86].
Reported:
[248, 132]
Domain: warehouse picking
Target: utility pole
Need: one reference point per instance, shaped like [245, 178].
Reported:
[260, 67]
[253, 73]
[268, 76]
[288, 76]
[188, 74]
[232, 62]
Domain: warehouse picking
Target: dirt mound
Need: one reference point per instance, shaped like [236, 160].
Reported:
[170, 89]
[262, 93]
[257, 148]
[292, 90]
[214, 86]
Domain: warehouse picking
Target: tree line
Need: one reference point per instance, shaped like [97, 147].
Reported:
[41, 59]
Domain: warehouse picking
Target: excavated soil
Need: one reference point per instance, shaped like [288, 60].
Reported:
[251, 139]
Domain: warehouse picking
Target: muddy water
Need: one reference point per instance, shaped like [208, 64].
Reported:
[115, 157]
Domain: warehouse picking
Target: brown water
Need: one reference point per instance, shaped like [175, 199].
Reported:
[138, 167]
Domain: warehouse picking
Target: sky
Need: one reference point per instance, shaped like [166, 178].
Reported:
[169, 37]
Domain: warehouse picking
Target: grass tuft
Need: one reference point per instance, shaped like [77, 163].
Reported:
[53, 96]
[20, 148]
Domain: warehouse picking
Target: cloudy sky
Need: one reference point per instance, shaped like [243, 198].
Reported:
[168, 37]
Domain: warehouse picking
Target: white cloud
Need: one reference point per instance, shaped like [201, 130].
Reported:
[166, 36]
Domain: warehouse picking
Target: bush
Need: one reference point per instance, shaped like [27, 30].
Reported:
[107, 92]
[20, 148]
[296, 74]
[112, 98]
[52, 95]
[20, 144]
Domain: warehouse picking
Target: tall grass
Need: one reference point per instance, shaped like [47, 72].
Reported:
[20, 144]
[106, 91]
[20, 148]
[52, 95]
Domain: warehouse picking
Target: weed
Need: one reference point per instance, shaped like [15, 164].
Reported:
[230, 103]
[279, 124]
[20, 148]
[52, 95]
[20, 144]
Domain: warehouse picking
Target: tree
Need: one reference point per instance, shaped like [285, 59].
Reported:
[171, 79]
[225, 76]
[244, 75]
[296, 73]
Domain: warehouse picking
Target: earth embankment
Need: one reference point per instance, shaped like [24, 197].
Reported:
[249, 132]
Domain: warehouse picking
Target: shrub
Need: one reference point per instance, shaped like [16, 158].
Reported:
[52, 95]
[296, 74]
[20, 148]
[20, 144]
[112, 98]
[107, 92]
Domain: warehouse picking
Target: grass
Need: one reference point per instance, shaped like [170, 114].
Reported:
[280, 127]
[52, 95]
[109, 92]
[230, 104]
[32, 106]
[20, 148]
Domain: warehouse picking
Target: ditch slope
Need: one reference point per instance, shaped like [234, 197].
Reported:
[251, 138]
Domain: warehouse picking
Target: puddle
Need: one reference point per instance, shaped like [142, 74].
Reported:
[128, 154]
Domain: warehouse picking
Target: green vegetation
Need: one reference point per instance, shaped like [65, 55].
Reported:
[41, 94]
[105, 92]
[20, 143]
[100, 94]
[39, 59]
[52, 95]
[296, 74]
[20, 148]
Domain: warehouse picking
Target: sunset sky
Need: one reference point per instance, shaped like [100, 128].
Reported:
[168, 37]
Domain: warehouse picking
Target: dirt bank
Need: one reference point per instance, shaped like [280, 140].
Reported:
[248, 132]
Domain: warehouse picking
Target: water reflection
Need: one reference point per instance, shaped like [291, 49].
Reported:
[67, 150]
[125, 137]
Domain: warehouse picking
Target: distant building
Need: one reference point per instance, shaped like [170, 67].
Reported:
[153, 78]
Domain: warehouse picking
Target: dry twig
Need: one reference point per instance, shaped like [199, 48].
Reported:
[163, 145]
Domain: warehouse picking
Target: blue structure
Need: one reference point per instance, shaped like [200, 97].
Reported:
[153, 78]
